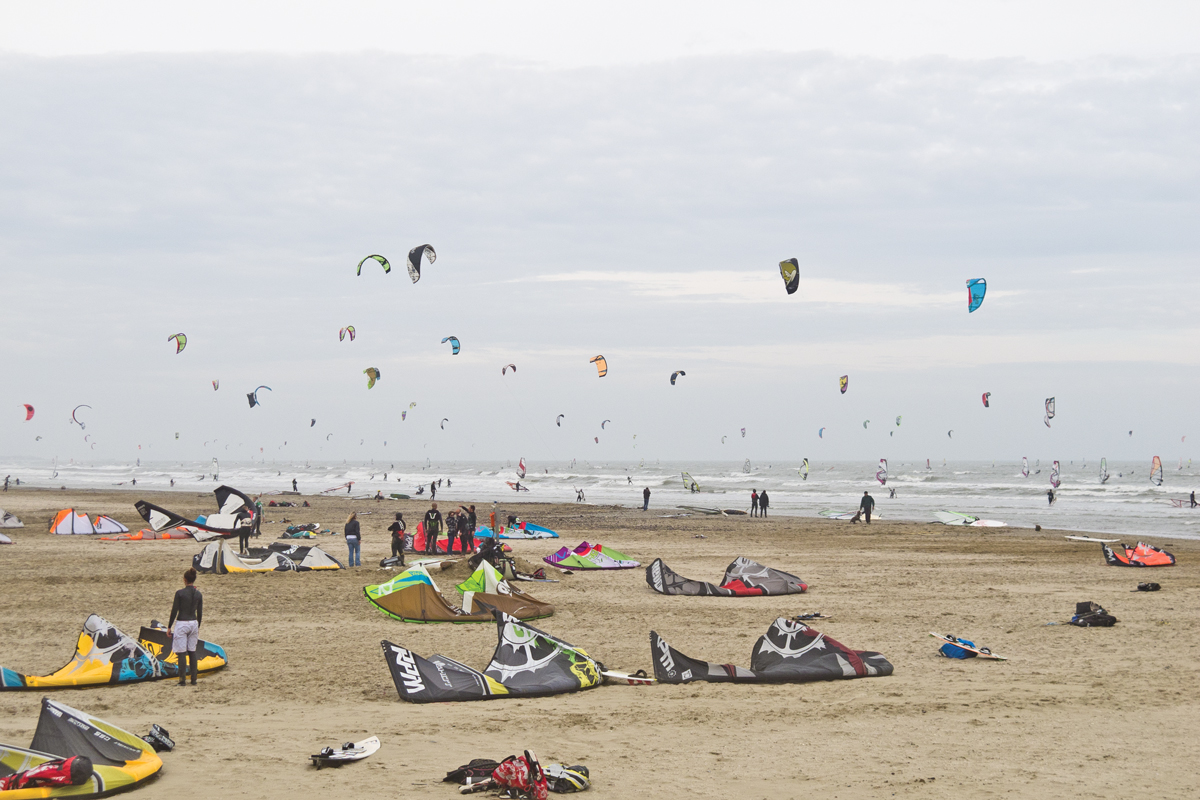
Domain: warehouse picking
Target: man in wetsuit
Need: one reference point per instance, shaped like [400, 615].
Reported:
[295, 486]
[466, 529]
[397, 529]
[187, 611]
[754, 502]
[865, 505]
[433, 528]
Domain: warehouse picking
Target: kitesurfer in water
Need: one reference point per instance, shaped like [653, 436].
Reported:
[754, 502]
[433, 527]
[354, 540]
[187, 611]
[892, 496]
[763, 503]
[397, 529]
[1050, 497]
[172, 481]
[645, 498]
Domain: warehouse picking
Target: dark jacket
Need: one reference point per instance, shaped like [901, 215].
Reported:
[397, 528]
[433, 522]
[763, 500]
[188, 605]
[352, 530]
[646, 493]
[867, 503]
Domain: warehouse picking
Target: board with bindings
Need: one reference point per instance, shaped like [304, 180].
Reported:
[982, 652]
[350, 751]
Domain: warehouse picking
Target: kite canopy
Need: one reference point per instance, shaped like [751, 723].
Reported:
[821, 433]
[601, 365]
[110, 759]
[1049, 411]
[986, 397]
[383, 262]
[346, 331]
[70, 521]
[104, 655]
[455, 345]
[976, 289]
[507, 367]
[76, 419]
[252, 397]
[237, 511]
[412, 596]
[843, 382]
[743, 578]
[521, 530]
[590, 556]
[217, 385]
[414, 260]
[790, 271]
[790, 652]
[675, 375]
[372, 374]
[443, 423]
[559, 420]
[28, 412]
[1141, 555]
[8, 520]
[218, 558]
[527, 662]
[180, 342]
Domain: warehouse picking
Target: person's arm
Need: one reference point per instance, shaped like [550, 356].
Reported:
[199, 608]
[174, 613]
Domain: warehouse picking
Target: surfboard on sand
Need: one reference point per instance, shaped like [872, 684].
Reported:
[1090, 539]
[351, 751]
[978, 651]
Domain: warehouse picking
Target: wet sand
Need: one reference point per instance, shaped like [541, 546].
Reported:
[1074, 712]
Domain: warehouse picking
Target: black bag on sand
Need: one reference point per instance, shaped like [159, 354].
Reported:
[1148, 587]
[1092, 615]
[478, 768]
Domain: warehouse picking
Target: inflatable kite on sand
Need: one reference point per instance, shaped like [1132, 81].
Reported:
[74, 754]
[412, 596]
[590, 556]
[790, 652]
[218, 558]
[1141, 555]
[237, 511]
[743, 578]
[526, 663]
[104, 656]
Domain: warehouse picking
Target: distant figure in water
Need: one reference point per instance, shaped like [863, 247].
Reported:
[420, 489]
[432, 490]
[579, 496]
[630, 479]
[172, 481]
[892, 496]
[134, 481]
[1193, 499]
[448, 483]
[1050, 498]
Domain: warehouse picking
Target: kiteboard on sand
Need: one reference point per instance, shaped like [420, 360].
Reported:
[350, 751]
[712, 512]
[639, 678]
[982, 652]
[1090, 539]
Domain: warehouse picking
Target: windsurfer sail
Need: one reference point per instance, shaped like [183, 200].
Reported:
[1024, 467]
[881, 473]
[804, 470]
[1054, 479]
[1156, 471]
[1103, 470]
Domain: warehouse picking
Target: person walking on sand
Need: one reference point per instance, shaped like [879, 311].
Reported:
[354, 540]
[187, 611]
[646, 498]
[866, 505]
[433, 528]
[754, 502]
[397, 529]
[466, 529]
[432, 490]
[763, 503]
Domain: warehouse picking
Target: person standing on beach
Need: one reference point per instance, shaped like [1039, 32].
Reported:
[451, 530]
[763, 502]
[295, 486]
[354, 540]
[432, 490]
[6, 477]
[397, 529]
[466, 528]
[433, 528]
[646, 498]
[866, 505]
[754, 502]
[188, 611]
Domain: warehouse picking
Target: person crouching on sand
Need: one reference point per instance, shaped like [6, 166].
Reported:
[187, 611]
[354, 540]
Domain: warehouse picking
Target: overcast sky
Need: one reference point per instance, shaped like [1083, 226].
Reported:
[620, 181]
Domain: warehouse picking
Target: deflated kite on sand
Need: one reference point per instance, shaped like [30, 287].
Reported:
[412, 596]
[218, 558]
[1141, 555]
[590, 556]
[743, 578]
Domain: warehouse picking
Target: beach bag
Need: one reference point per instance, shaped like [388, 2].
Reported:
[392, 561]
[477, 768]
[73, 771]
[954, 651]
[1148, 587]
[562, 779]
[1092, 615]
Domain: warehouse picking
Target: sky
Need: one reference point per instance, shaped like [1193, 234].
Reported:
[611, 179]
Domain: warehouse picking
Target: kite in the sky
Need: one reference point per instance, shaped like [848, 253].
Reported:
[1156, 471]
[602, 424]
[313, 423]
[743, 433]
[866, 422]
[414, 260]
[790, 270]
[976, 289]
[403, 415]
[412, 404]
[383, 262]
[505, 369]
[1049, 411]
[843, 382]
[675, 375]
[597, 439]
[897, 420]
[986, 397]
[216, 384]
[444, 421]
[252, 397]
[76, 419]
[454, 344]
[558, 421]
[821, 433]
[723, 439]
[327, 436]
[28, 412]
[950, 433]
[346, 331]
[372, 374]
[601, 365]
[180, 342]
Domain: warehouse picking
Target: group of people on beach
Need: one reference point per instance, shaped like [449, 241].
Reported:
[759, 503]
[460, 526]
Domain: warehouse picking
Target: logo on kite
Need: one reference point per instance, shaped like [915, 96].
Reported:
[252, 397]
[843, 382]
[675, 375]
[454, 344]
[601, 365]
[986, 397]
[505, 369]
[28, 412]
[180, 342]
[1049, 411]
[313, 423]
[216, 385]
[372, 374]
[383, 262]
[444, 421]
[76, 419]
[348, 330]
[602, 424]
[558, 421]
[414, 260]
[976, 289]
[790, 270]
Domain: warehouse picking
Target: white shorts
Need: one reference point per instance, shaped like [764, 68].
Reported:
[187, 634]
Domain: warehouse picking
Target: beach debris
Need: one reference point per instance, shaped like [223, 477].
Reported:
[383, 262]
[1147, 587]
[414, 260]
[789, 270]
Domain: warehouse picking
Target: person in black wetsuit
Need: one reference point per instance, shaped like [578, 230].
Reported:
[187, 611]
[763, 503]
[295, 487]
[433, 527]
[466, 528]
[397, 529]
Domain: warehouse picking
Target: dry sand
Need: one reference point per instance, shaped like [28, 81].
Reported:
[1074, 713]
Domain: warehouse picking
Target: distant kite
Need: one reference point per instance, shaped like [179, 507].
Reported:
[1049, 411]
[327, 436]
[743, 433]
[414, 260]
[444, 421]
[790, 270]
[723, 439]
[601, 365]
[383, 262]
[216, 384]
[76, 419]
[866, 422]
[372, 374]
[843, 382]
[897, 421]
[454, 344]
[950, 433]
[252, 397]
[976, 289]
[412, 404]
[675, 375]
[602, 424]
[821, 433]
[403, 414]
[313, 423]
[176, 434]
[28, 412]
[558, 421]
[597, 439]
[180, 342]
[348, 330]
[986, 397]
[505, 369]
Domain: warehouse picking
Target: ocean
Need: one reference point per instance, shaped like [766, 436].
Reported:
[1128, 505]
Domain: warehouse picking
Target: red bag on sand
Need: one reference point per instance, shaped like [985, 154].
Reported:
[72, 771]
[524, 774]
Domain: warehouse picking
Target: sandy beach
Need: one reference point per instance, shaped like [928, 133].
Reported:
[1073, 713]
